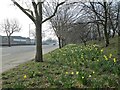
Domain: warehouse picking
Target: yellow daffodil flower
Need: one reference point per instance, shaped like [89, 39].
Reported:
[74, 62]
[25, 76]
[96, 49]
[66, 72]
[105, 57]
[72, 73]
[110, 56]
[39, 72]
[82, 58]
[114, 60]
[101, 50]
[93, 72]
[82, 77]
[89, 75]
[77, 73]
[97, 60]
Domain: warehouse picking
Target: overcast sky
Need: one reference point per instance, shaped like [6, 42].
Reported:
[8, 10]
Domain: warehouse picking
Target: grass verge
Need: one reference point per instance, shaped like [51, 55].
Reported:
[73, 66]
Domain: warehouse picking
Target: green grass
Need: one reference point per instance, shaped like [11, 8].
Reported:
[112, 48]
[73, 66]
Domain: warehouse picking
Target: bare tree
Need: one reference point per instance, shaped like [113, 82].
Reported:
[36, 16]
[9, 27]
[79, 33]
[101, 11]
[113, 17]
[66, 15]
[103, 17]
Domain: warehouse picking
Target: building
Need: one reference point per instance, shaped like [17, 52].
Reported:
[16, 40]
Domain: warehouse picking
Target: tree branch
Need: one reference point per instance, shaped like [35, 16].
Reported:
[35, 7]
[30, 12]
[93, 9]
[54, 12]
[22, 9]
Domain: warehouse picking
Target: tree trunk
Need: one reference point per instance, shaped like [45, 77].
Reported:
[85, 43]
[113, 34]
[106, 35]
[9, 44]
[98, 28]
[63, 42]
[59, 40]
[105, 26]
[39, 57]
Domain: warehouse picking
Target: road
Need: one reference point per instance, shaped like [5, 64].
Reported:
[15, 55]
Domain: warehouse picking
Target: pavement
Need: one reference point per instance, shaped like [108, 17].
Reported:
[16, 55]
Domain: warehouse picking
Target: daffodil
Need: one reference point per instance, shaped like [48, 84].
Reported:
[89, 75]
[97, 60]
[110, 56]
[82, 58]
[66, 72]
[96, 49]
[77, 73]
[39, 72]
[93, 72]
[74, 62]
[114, 60]
[72, 73]
[25, 76]
[82, 77]
[101, 50]
[105, 57]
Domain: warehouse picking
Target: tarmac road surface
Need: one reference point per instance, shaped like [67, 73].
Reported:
[15, 55]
